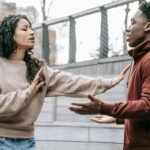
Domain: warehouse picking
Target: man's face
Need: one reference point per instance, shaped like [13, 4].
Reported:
[136, 31]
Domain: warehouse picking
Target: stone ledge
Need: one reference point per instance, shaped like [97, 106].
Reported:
[56, 145]
[93, 62]
[79, 132]
[79, 124]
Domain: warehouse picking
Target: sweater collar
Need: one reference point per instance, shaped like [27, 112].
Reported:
[19, 62]
[140, 50]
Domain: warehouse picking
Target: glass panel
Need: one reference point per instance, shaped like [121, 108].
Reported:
[59, 43]
[116, 28]
[38, 42]
[87, 37]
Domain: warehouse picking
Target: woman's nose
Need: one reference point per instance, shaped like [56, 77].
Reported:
[31, 32]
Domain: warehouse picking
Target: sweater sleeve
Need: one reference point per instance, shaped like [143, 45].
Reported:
[12, 102]
[66, 84]
[134, 108]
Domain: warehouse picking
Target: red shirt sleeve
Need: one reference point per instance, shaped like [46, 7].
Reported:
[133, 108]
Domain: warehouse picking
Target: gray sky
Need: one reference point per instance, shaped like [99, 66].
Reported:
[61, 8]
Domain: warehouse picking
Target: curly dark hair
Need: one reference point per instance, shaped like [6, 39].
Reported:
[8, 45]
[145, 8]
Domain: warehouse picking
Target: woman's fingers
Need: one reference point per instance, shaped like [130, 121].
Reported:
[39, 73]
[117, 80]
[123, 72]
[36, 83]
[41, 84]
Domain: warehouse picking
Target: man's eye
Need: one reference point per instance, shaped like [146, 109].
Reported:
[132, 22]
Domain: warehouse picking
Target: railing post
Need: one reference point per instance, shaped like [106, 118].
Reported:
[72, 41]
[45, 43]
[140, 1]
[104, 34]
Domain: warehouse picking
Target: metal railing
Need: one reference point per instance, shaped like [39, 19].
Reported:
[47, 37]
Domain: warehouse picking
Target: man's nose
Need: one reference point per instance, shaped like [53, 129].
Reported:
[128, 29]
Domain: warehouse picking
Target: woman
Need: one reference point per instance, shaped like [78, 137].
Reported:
[25, 81]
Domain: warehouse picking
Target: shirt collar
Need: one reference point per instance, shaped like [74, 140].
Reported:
[140, 50]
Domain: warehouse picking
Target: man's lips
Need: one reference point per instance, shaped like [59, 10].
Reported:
[127, 37]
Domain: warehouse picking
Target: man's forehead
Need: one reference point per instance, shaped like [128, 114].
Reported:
[138, 15]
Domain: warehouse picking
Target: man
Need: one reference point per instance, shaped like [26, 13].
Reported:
[135, 112]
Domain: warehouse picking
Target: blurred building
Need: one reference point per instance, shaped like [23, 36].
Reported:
[52, 36]
[29, 11]
[11, 9]
[51, 47]
[7, 9]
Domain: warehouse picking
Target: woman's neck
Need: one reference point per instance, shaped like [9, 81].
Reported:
[17, 55]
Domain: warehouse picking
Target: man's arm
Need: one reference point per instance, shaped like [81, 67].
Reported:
[120, 121]
[133, 109]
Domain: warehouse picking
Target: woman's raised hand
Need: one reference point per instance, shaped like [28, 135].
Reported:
[116, 80]
[37, 83]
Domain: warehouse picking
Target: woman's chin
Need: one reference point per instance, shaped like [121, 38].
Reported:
[31, 46]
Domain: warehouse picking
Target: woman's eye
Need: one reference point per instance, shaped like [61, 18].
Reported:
[24, 29]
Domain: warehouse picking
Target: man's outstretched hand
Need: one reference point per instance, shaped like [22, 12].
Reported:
[116, 80]
[92, 107]
[103, 119]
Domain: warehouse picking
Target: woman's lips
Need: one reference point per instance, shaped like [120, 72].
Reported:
[32, 38]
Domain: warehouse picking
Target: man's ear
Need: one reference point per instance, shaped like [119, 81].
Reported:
[147, 27]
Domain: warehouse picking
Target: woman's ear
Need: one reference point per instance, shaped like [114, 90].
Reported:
[147, 27]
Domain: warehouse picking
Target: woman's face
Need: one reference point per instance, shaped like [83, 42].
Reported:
[24, 35]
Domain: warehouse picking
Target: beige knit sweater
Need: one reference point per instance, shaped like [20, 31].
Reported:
[19, 109]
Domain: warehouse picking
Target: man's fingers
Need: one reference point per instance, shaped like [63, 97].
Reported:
[97, 116]
[77, 104]
[73, 108]
[96, 120]
[76, 110]
[91, 97]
